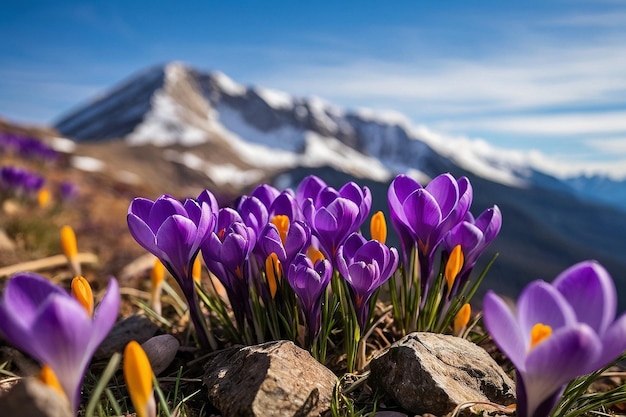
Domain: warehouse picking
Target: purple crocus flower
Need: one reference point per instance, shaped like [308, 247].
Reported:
[173, 232]
[423, 215]
[46, 322]
[474, 236]
[309, 281]
[365, 265]
[297, 240]
[226, 254]
[560, 331]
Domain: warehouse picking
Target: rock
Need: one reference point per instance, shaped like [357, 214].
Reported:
[30, 397]
[161, 351]
[276, 379]
[134, 327]
[434, 373]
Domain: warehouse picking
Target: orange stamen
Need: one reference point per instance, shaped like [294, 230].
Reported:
[454, 266]
[462, 318]
[539, 333]
[282, 224]
[82, 292]
[273, 271]
[378, 227]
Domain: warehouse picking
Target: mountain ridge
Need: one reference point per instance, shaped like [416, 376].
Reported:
[194, 130]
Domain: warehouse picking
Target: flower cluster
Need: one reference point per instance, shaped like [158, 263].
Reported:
[20, 181]
[276, 251]
[26, 147]
[431, 220]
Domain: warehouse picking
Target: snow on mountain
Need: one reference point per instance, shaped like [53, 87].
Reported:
[265, 129]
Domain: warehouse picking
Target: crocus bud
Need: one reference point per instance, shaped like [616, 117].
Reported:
[138, 376]
[378, 227]
[81, 290]
[156, 279]
[273, 271]
[462, 318]
[43, 197]
[70, 249]
[453, 266]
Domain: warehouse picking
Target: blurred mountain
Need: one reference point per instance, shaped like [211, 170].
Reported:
[181, 130]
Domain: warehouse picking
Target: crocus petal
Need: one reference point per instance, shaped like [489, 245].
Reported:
[504, 329]
[423, 213]
[540, 302]
[563, 356]
[142, 233]
[176, 238]
[589, 289]
[164, 207]
[63, 334]
[140, 207]
[445, 191]
[613, 342]
[105, 314]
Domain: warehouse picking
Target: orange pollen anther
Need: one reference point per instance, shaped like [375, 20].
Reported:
[48, 377]
[462, 318]
[282, 224]
[68, 242]
[157, 274]
[378, 227]
[314, 254]
[454, 266]
[274, 272]
[539, 333]
[82, 292]
[196, 270]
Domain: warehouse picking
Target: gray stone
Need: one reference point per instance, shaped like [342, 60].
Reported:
[434, 373]
[272, 379]
[161, 351]
[30, 397]
[135, 327]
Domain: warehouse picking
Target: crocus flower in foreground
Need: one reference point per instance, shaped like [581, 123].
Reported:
[138, 377]
[560, 331]
[365, 265]
[53, 327]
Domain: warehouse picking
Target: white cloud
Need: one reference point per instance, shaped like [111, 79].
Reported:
[567, 124]
[614, 146]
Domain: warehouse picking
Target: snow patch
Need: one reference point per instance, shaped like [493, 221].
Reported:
[227, 85]
[330, 151]
[278, 100]
[318, 107]
[87, 163]
[63, 145]
[164, 126]
[288, 138]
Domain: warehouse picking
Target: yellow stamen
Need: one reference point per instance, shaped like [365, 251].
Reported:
[68, 242]
[462, 318]
[314, 254]
[156, 278]
[157, 274]
[454, 266]
[43, 197]
[70, 249]
[138, 376]
[196, 270]
[48, 377]
[282, 224]
[273, 271]
[539, 333]
[378, 227]
[82, 292]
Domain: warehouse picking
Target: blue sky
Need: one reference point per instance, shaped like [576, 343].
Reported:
[532, 75]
